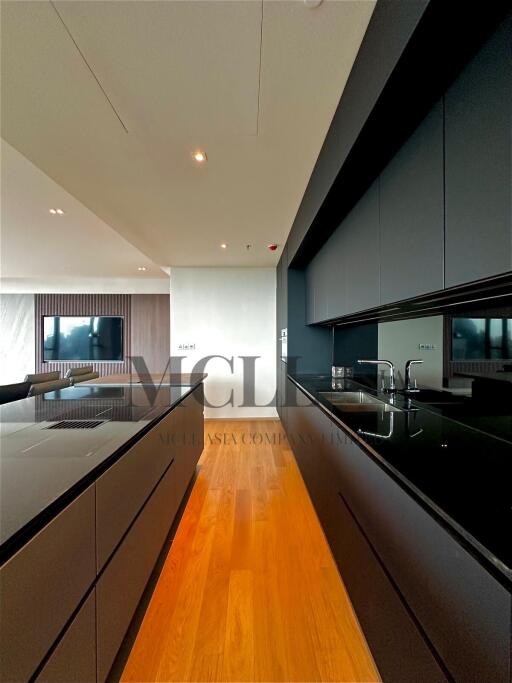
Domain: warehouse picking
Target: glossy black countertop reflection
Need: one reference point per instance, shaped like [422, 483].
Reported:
[460, 473]
[41, 470]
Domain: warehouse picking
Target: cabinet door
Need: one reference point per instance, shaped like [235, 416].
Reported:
[124, 578]
[478, 113]
[361, 239]
[412, 214]
[325, 281]
[284, 288]
[463, 610]
[400, 651]
[74, 658]
[123, 489]
[41, 586]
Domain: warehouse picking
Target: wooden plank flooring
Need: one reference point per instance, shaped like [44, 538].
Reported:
[249, 590]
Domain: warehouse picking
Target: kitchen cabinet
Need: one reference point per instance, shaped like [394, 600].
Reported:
[42, 585]
[69, 594]
[402, 569]
[325, 282]
[74, 658]
[478, 139]
[120, 586]
[361, 254]
[179, 440]
[412, 214]
[124, 488]
[281, 390]
[343, 277]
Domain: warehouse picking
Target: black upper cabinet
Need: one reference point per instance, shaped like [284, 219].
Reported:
[361, 250]
[478, 114]
[343, 277]
[412, 214]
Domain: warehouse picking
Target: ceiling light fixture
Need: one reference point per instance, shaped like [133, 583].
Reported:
[223, 246]
[142, 268]
[60, 212]
[200, 156]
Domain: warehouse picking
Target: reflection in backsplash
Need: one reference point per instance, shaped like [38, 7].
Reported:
[454, 348]
[420, 338]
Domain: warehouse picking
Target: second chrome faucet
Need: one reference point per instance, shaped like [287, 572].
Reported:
[408, 386]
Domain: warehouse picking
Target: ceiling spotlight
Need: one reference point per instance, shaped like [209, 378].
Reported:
[60, 212]
[142, 268]
[223, 246]
[200, 156]
[54, 211]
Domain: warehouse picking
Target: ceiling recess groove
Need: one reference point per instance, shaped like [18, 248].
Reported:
[88, 66]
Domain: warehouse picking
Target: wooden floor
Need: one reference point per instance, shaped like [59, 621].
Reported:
[249, 590]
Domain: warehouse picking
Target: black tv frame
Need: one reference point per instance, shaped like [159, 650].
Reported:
[83, 361]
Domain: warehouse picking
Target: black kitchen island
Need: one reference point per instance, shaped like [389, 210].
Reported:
[91, 480]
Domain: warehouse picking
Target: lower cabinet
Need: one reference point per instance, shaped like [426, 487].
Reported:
[429, 610]
[42, 585]
[121, 585]
[74, 658]
[67, 597]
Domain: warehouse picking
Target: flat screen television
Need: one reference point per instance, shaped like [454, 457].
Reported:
[481, 338]
[97, 338]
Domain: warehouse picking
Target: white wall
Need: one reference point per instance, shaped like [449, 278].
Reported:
[17, 337]
[229, 312]
[399, 341]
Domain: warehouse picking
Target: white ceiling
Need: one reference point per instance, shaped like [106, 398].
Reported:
[35, 243]
[111, 98]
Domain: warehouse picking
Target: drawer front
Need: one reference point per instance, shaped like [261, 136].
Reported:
[190, 432]
[398, 647]
[464, 611]
[195, 430]
[124, 488]
[42, 585]
[122, 583]
[74, 658]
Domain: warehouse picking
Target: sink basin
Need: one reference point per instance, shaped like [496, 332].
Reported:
[357, 401]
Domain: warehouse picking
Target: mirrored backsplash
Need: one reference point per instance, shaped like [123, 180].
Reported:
[454, 349]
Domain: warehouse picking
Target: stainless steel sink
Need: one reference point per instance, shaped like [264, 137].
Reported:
[357, 401]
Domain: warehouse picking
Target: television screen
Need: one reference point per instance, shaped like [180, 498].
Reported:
[83, 338]
[481, 338]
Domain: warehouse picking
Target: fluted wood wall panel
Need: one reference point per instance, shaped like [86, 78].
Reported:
[83, 304]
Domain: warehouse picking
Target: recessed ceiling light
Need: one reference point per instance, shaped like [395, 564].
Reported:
[60, 212]
[53, 211]
[142, 268]
[57, 211]
[200, 156]
[223, 246]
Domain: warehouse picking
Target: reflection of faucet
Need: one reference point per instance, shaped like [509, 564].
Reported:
[381, 436]
[409, 388]
[392, 387]
[411, 417]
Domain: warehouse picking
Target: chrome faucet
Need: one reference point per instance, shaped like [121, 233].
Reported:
[392, 388]
[409, 388]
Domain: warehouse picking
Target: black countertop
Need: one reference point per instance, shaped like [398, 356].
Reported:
[42, 470]
[461, 474]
